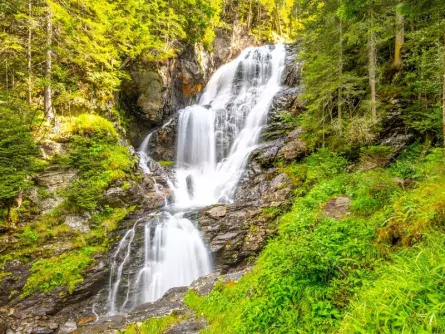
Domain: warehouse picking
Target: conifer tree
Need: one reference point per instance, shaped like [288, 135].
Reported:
[17, 151]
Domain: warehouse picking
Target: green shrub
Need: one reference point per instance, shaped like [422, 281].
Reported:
[93, 126]
[63, 270]
[99, 158]
[28, 236]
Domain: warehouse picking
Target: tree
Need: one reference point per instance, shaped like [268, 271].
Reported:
[372, 64]
[17, 151]
[443, 92]
[400, 37]
[48, 105]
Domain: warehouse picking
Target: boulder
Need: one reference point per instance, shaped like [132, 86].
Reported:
[55, 178]
[337, 207]
[78, 222]
[294, 148]
[68, 327]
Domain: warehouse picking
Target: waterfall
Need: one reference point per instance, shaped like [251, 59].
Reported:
[144, 159]
[216, 136]
[214, 140]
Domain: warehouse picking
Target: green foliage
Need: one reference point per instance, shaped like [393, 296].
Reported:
[325, 275]
[99, 159]
[63, 270]
[407, 297]
[267, 20]
[336, 39]
[17, 152]
[420, 209]
[92, 43]
[154, 325]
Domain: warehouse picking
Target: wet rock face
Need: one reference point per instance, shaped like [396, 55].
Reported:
[237, 232]
[292, 71]
[171, 303]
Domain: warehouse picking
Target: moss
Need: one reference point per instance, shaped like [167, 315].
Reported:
[28, 236]
[5, 274]
[271, 212]
[58, 271]
[166, 163]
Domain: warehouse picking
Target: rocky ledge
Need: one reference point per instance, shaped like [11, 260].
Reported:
[171, 303]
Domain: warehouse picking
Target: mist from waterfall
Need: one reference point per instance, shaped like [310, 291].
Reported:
[214, 140]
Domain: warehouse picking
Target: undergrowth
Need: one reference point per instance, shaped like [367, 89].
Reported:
[95, 152]
[377, 269]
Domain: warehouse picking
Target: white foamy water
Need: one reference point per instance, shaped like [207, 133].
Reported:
[216, 136]
[214, 140]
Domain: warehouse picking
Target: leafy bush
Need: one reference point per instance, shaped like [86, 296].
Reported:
[63, 270]
[99, 159]
[28, 236]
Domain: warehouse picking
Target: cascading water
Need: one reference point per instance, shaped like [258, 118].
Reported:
[215, 138]
[144, 159]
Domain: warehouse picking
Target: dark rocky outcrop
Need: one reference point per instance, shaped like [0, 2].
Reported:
[158, 89]
[395, 133]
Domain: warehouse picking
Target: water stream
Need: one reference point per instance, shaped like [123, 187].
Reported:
[214, 140]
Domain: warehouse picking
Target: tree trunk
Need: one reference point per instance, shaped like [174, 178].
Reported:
[249, 16]
[277, 13]
[443, 93]
[8, 212]
[6, 74]
[400, 37]
[340, 74]
[29, 53]
[372, 67]
[259, 20]
[49, 114]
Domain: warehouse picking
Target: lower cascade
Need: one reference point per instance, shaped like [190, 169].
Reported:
[215, 138]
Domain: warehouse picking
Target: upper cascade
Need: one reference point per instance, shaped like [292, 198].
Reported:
[216, 136]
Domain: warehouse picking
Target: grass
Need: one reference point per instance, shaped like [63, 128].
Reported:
[378, 270]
